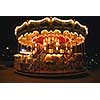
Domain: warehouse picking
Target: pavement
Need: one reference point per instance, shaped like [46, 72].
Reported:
[7, 75]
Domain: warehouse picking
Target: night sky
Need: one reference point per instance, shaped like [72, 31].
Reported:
[8, 24]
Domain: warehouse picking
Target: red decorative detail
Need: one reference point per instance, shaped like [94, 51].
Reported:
[35, 40]
[51, 35]
[61, 39]
[40, 39]
[67, 39]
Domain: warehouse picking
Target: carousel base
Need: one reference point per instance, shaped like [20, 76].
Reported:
[53, 74]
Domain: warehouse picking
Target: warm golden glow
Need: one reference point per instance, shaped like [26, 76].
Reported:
[48, 57]
[55, 39]
[50, 45]
[25, 52]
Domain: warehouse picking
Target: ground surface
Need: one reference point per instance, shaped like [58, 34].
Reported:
[7, 75]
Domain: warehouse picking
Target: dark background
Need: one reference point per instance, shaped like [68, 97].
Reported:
[8, 38]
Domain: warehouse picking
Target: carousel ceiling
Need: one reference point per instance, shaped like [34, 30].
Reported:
[51, 24]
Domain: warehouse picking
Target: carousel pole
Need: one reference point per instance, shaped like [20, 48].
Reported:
[18, 48]
[21, 47]
[75, 48]
[79, 48]
[83, 48]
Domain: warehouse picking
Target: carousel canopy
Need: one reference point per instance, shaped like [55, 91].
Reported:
[51, 24]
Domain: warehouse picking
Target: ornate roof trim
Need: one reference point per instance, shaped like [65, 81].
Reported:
[51, 24]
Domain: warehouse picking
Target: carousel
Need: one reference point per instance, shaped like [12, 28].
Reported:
[50, 47]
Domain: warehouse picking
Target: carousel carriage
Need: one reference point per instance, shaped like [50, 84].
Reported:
[50, 47]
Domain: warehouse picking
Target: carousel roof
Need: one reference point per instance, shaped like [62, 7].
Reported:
[51, 24]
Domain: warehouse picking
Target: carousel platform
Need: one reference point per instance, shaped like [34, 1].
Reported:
[53, 73]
